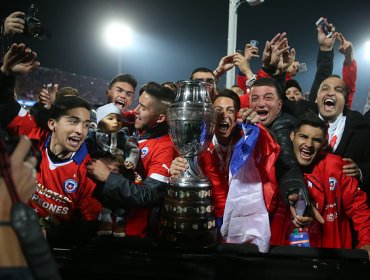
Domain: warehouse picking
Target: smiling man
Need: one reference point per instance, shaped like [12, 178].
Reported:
[215, 162]
[348, 130]
[121, 91]
[64, 196]
[266, 101]
[157, 153]
[64, 193]
[337, 196]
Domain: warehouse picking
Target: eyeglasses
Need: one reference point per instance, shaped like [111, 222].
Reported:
[230, 110]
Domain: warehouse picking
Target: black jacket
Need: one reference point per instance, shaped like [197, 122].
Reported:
[354, 143]
[289, 176]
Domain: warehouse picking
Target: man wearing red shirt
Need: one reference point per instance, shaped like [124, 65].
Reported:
[64, 193]
[336, 195]
[157, 153]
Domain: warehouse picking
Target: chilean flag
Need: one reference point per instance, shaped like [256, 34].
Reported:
[246, 219]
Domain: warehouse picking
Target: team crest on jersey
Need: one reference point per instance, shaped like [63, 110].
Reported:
[332, 183]
[70, 185]
[144, 152]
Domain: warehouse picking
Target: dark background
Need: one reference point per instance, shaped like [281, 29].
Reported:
[170, 38]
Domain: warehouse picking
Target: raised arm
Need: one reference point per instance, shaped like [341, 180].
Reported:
[349, 70]
[324, 62]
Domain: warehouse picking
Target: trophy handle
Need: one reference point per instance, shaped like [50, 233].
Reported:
[193, 170]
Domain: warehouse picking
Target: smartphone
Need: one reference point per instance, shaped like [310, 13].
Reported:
[324, 27]
[254, 43]
[302, 67]
[49, 87]
[303, 206]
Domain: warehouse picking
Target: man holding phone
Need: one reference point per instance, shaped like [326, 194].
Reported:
[336, 195]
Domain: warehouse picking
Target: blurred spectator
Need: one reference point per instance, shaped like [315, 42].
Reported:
[12, 261]
[28, 86]
[293, 90]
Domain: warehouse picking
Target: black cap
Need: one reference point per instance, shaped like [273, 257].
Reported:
[292, 83]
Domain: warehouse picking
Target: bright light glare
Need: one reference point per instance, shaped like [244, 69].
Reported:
[367, 50]
[118, 35]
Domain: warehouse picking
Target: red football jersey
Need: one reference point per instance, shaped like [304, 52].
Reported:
[63, 189]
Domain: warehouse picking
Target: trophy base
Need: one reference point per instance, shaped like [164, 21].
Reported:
[190, 241]
[187, 219]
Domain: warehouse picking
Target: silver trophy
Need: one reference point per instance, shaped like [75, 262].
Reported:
[187, 219]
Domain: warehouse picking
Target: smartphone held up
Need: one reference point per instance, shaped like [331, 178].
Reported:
[325, 27]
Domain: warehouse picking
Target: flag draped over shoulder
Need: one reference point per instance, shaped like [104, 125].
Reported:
[246, 218]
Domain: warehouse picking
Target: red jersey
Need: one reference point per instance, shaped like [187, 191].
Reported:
[156, 158]
[265, 154]
[338, 199]
[63, 189]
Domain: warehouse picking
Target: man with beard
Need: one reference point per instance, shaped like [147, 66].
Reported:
[229, 144]
[157, 153]
[337, 196]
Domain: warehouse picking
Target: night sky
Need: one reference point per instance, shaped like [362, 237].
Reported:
[173, 37]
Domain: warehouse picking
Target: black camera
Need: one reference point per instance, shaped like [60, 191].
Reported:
[33, 26]
[9, 142]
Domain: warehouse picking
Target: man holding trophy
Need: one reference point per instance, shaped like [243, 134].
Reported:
[242, 173]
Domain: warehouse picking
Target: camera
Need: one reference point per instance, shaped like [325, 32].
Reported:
[33, 26]
[9, 142]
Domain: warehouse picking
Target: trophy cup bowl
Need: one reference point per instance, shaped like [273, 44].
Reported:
[187, 218]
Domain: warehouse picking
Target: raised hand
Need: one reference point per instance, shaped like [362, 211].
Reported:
[346, 48]
[225, 64]
[47, 95]
[286, 60]
[273, 50]
[326, 44]
[14, 24]
[19, 59]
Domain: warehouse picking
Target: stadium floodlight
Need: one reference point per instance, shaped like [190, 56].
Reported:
[118, 35]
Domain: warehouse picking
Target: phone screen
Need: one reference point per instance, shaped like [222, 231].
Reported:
[302, 67]
[324, 27]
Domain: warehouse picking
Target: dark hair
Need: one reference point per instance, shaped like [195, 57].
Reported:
[170, 85]
[164, 95]
[201, 69]
[269, 82]
[65, 103]
[310, 118]
[229, 94]
[346, 88]
[66, 91]
[127, 78]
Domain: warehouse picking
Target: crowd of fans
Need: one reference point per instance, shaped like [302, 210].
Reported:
[285, 169]
[28, 86]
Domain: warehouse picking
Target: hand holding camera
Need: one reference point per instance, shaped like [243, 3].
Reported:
[28, 24]
[13, 24]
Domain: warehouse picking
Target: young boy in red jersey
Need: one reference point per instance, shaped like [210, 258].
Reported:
[64, 196]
